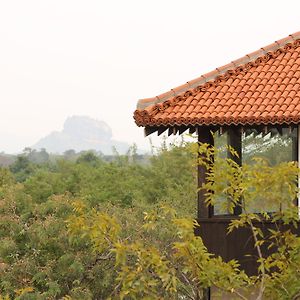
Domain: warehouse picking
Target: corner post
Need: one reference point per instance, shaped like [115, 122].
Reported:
[204, 137]
[296, 158]
[234, 140]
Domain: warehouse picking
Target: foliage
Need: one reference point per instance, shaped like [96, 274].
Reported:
[183, 268]
[86, 228]
[145, 271]
[35, 201]
[22, 168]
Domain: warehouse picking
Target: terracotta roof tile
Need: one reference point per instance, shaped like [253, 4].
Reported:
[260, 88]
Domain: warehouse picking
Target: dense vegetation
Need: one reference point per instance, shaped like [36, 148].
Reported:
[36, 200]
[85, 227]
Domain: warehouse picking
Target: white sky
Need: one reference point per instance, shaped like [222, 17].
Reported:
[65, 57]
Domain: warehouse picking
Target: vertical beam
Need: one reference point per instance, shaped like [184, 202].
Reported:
[295, 157]
[204, 211]
[298, 153]
[207, 294]
[295, 145]
[234, 140]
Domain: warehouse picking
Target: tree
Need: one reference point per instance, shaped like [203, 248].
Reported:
[22, 168]
[69, 154]
[89, 157]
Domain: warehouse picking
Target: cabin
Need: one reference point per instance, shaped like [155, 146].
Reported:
[258, 93]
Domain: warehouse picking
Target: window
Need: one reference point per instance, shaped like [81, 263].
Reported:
[274, 147]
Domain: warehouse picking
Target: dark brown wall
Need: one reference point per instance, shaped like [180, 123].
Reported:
[235, 245]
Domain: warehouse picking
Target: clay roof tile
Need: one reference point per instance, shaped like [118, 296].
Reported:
[259, 88]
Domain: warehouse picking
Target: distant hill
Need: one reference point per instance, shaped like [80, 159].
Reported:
[82, 133]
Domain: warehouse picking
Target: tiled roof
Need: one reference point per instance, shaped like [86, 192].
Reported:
[260, 88]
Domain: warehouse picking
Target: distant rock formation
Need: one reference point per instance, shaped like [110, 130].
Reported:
[82, 133]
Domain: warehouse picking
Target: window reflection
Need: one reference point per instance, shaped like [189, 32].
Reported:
[274, 147]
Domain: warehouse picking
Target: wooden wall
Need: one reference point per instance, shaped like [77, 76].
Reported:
[237, 244]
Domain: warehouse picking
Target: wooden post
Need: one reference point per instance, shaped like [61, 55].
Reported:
[234, 140]
[295, 157]
[296, 151]
[295, 146]
[207, 294]
[204, 211]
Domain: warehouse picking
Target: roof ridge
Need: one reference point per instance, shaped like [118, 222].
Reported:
[150, 105]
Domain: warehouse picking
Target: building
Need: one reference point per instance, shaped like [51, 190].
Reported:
[259, 93]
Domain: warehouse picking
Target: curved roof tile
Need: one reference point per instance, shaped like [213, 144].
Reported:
[260, 88]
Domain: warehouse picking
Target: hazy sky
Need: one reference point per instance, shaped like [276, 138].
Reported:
[65, 57]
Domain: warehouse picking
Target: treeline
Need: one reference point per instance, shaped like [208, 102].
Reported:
[41, 156]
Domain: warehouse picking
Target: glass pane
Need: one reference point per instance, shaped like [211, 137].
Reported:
[274, 149]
